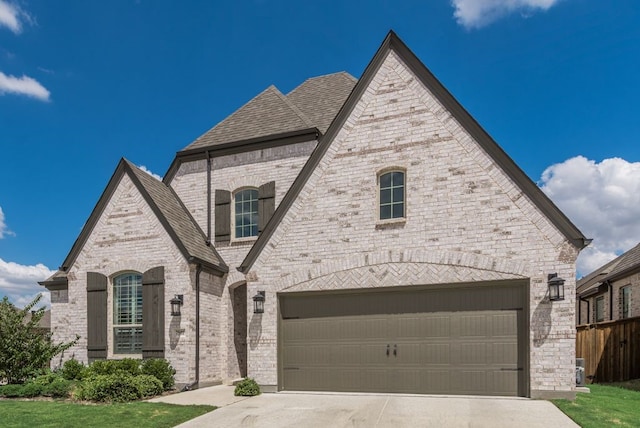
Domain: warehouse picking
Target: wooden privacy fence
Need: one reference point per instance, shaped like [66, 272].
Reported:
[611, 350]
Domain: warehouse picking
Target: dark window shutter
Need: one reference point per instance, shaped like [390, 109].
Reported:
[153, 313]
[96, 316]
[266, 203]
[223, 215]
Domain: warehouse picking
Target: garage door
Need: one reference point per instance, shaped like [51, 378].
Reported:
[445, 341]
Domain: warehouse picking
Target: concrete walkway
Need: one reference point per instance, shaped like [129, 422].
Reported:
[367, 410]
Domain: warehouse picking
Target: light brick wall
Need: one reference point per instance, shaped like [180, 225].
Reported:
[464, 216]
[128, 237]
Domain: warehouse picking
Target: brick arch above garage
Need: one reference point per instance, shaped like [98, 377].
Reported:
[405, 267]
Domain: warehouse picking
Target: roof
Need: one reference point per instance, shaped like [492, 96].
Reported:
[45, 321]
[313, 104]
[169, 210]
[625, 264]
[393, 43]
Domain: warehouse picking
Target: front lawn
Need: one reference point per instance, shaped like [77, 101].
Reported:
[20, 413]
[605, 406]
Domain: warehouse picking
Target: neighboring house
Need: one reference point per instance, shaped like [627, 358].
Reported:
[393, 244]
[611, 292]
[44, 325]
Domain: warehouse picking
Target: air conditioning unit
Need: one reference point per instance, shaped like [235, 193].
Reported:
[580, 375]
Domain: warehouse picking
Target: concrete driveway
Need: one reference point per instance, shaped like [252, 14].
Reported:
[378, 410]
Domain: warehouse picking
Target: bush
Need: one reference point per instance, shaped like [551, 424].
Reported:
[117, 387]
[109, 367]
[147, 385]
[11, 391]
[161, 370]
[247, 387]
[73, 370]
[59, 388]
[31, 389]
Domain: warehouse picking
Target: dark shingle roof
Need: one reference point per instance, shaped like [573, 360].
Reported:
[320, 98]
[621, 264]
[313, 104]
[177, 216]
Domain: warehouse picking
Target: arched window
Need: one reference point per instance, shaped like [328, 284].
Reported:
[246, 213]
[392, 194]
[127, 313]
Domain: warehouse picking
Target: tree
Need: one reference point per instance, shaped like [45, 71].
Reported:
[25, 352]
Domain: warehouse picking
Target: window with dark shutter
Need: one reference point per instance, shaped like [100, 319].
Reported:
[153, 313]
[222, 215]
[266, 204]
[96, 316]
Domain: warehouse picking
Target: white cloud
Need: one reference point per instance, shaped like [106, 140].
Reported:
[478, 13]
[603, 201]
[4, 230]
[24, 85]
[13, 17]
[20, 282]
[145, 169]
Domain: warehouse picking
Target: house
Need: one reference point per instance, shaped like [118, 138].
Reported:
[350, 235]
[607, 293]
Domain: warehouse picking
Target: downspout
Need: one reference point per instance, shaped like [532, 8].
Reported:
[208, 197]
[610, 300]
[194, 384]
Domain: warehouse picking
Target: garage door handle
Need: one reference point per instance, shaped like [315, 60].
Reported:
[395, 350]
[387, 350]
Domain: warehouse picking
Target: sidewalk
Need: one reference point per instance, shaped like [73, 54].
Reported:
[219, 396]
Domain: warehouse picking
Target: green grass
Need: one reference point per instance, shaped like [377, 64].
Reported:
[606, 406]
[20, 413]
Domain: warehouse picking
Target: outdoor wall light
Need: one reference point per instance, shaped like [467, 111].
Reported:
[556, 287]
[258, 303]
[176, 302]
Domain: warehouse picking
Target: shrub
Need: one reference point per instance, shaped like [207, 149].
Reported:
[24, 351]
[247, 387]
[11, 391]
[73, 370]
[161, 370]
[59, 388]
[31, 389]
[117, 387]
[128, 365]
[147, 385]
[109, 367]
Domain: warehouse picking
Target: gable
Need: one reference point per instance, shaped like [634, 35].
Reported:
[434, 117]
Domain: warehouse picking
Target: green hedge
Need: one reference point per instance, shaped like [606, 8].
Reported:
[247, 387]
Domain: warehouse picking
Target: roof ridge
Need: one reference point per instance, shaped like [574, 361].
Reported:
[295, 109]
[341, 73]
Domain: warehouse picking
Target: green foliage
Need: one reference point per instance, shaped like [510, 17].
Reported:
[247, 387]
[161, 370]
[11, 391]
[25, 352]
[73, 370]
[147, 385]
[48, 385]
[108, 367]
[19, 414]
[117, 387]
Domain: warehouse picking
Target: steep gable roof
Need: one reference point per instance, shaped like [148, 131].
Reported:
[393, 43]
[169, 210]
[266, 114]
[320, 98]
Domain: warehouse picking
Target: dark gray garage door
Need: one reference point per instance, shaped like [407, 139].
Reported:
[468, 340]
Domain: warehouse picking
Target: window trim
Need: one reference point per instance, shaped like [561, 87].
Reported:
[114, 325]
[595, 308]
[391, 220]
[232, 222]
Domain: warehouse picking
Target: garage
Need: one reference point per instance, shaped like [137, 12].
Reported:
[468, 339]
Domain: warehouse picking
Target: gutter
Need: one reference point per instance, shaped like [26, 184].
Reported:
[195, 383]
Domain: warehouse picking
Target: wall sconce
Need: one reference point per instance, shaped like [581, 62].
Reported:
[258, 303]
[176, 302]
[556, 287]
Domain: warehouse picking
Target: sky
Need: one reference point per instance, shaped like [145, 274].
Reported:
[84, 83]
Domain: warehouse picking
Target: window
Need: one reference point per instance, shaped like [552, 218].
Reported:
[246, 213]
[391, 195]
[626, 301]
[127, 314]
[600, 309]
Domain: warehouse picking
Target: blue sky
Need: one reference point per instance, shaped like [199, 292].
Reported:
[83, 83]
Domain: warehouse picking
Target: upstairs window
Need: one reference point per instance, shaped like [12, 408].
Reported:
[600, 309]
[392, 195]
[127, 314]
[626, 301]
[246, 213]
